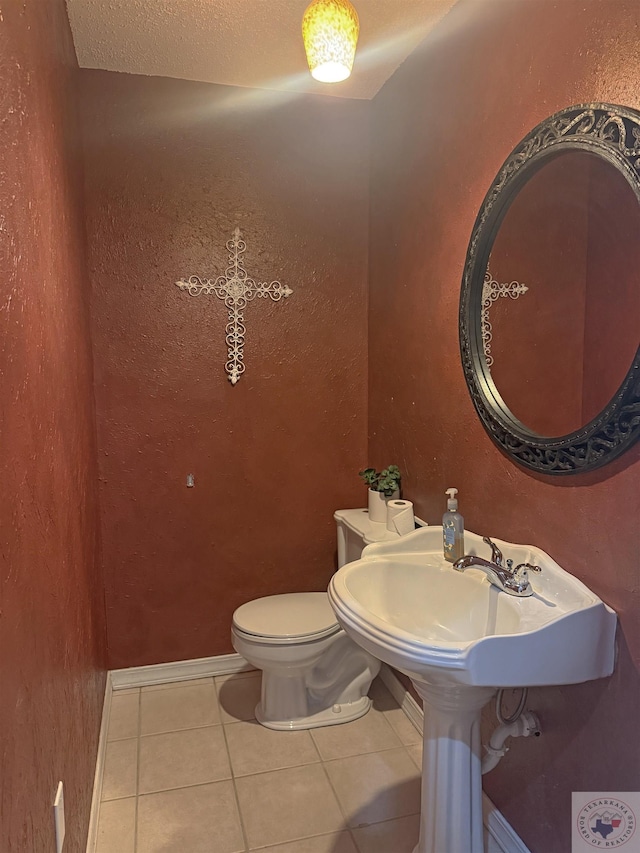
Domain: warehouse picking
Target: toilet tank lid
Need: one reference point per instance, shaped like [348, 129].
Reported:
[292, 615]
[357, 520]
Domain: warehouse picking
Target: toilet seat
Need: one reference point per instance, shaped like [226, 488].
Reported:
[313, 674]
[295, 617]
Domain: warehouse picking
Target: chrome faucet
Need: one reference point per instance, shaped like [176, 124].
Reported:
[512, 581]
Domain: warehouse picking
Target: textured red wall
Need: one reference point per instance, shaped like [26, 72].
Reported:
[562, 349]
[441, 128]
[51, 605]
[171, 168]
[538, 338]
[614, 258]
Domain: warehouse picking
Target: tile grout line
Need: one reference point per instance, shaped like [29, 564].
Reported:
[307, 764]
[342, 811]
[396, 748]
[135, 825]
[179, 788]
[378, 823]
[345, 828]
[243, 830]
[374, 823]
[178, 731]
[315, 746]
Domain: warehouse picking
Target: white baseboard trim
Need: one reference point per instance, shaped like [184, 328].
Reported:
[182, 670]
[402, 696]
[92, 835]
[502, 836]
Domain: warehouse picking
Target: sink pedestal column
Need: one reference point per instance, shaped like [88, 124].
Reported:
[451, 811]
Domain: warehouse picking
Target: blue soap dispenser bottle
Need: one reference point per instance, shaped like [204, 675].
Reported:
[452, 529]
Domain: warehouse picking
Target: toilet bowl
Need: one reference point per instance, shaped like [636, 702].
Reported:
[313, 674]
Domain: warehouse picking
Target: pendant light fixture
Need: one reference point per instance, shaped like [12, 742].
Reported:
[330, 32]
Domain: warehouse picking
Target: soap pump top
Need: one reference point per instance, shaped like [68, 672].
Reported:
[452, 503]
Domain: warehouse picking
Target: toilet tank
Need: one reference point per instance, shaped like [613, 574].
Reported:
[355, 531]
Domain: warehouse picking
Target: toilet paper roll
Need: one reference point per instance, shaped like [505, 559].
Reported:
[400, 518]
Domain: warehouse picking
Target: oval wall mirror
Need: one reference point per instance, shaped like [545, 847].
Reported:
[550, 301]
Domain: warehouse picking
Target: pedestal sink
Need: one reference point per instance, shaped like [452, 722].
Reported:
[459, 639]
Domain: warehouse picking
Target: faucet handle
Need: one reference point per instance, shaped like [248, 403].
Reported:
[521, 573]
[526, 566]
[496, 553]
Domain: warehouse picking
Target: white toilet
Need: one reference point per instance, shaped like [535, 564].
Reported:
[313, 674]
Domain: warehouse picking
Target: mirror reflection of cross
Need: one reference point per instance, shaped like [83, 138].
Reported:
[237, 289]
[491, 291]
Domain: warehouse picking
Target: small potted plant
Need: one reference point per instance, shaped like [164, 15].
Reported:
[383, 486]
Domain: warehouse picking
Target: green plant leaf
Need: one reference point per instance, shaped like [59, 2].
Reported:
[387, 480]
[370, 476]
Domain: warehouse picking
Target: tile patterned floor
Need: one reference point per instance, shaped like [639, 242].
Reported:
[188, 770]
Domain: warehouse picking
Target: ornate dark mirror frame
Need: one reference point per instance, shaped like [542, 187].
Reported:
[608, 131]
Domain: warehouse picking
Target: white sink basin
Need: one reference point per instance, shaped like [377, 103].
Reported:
[406, 605]
[459, 638]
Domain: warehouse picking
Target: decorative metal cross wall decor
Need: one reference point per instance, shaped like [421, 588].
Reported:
[492, 290]
[237, 289]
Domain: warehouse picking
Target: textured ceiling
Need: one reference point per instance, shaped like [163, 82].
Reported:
[254, 43]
